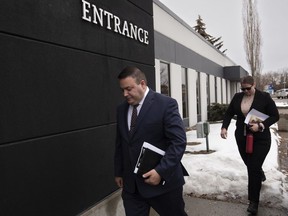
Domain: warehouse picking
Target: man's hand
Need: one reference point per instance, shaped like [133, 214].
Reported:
[152, 177]
[119, 181]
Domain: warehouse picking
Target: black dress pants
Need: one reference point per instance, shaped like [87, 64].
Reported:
[254, 164]
[168, 204]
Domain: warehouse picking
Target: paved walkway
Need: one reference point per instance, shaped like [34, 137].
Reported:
[204, 207]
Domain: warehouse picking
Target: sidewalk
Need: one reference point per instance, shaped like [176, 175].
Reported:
[205, 207]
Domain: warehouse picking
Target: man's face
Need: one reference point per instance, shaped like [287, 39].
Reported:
[132, 91]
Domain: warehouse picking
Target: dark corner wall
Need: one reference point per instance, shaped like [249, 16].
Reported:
[59, 62]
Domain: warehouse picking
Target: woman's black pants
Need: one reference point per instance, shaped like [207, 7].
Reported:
[254, 164]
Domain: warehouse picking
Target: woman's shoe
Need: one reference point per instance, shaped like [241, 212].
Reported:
[253, 208]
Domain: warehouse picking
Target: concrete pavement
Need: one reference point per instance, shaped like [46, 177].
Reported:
[205, 207]
[113, 206]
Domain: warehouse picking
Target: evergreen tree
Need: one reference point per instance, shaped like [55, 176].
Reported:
[200, 28]
[213, 40]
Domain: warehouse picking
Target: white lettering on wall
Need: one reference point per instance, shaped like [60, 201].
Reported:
[117, 23]
[85, 7]
[109, 18]
[98, 16]
[133, 31]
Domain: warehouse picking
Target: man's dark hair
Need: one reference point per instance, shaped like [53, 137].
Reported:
[247, 80]
[133, 72]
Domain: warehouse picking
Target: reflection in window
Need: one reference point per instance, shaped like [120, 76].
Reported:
[198, 95]
[216, 98]
[226, 91]
[221, 83]
[184, 92]
[165, 78]
[208, 89]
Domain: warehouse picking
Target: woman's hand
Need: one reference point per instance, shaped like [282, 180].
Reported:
[254, 127]
[223, 133]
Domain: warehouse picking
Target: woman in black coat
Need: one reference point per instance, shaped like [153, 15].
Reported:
[240, 105]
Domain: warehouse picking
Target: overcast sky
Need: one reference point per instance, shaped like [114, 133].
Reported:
[224, 18]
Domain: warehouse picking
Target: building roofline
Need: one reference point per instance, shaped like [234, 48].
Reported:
[176, 17]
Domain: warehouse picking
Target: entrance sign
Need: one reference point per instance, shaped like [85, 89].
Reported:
[92, 13]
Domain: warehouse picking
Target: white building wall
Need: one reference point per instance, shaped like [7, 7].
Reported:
[176, 85]
[224, 91]
[212, 89]
[228, 86]
[238, 86]
[234, 88]
[203, 96]
[157, 76]
[218, 81]
[192, 100]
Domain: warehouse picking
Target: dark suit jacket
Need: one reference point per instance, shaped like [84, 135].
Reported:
[159, 124]
[263, 103]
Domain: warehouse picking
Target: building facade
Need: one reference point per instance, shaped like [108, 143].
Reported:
[59, 91]
[197, 74]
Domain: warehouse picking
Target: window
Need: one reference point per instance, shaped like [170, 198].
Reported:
[184, 92]
[227, 91]
[165, 78]
[221, 83]
[208, 89]
[198, 95]
[216, 89]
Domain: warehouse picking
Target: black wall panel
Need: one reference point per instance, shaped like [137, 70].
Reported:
[58, 97]
[61, 22]
[145, 5]
[44, 85]
[57, 175]
[47, 89]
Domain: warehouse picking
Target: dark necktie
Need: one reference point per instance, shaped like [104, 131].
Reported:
[133, 118]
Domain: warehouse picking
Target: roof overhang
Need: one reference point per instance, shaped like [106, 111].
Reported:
[234, 73]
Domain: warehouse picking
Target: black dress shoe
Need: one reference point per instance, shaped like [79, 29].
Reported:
[263, 177]
[253, 208]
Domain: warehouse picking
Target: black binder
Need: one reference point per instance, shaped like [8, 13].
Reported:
[148, 158]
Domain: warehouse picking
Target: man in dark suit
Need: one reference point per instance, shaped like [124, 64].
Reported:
[160, 124]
